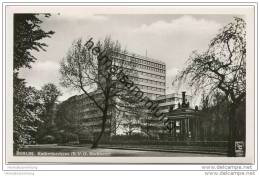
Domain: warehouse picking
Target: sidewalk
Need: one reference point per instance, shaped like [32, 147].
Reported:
[181, 149]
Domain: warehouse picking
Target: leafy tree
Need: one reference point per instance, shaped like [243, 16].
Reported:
[222, 68]
[26, 107]
[66, 122]
[49, 95]
[215, 110]
[27, 37]
[86, 69]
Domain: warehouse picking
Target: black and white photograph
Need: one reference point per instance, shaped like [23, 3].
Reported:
[130, 84]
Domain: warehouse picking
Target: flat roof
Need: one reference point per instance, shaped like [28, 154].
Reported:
[131, 54]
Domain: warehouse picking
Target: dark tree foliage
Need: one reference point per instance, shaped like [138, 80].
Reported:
[215, 121]
[49, 95]
[27, 105]
[27, 37]
[27, 109]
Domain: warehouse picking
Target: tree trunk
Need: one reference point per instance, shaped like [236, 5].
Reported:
[95, 143]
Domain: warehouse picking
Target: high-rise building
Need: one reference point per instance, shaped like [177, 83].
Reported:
[148, 74]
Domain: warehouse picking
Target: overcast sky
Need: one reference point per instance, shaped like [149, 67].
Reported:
[169, 38]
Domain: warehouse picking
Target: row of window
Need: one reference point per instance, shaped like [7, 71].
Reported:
[135, 72]
[169, 100]
[147, 81]
[151, 95]
[151, 88]
[168, 107]
[152, 75]
[129, 63]
[151, 68]
[141, 61]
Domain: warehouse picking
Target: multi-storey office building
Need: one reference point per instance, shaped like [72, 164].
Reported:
[148, 74]
[80, 115]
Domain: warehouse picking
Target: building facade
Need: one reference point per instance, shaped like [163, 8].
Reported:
[79, 115]
[148, 74]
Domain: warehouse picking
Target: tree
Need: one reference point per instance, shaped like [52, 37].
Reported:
[91, 70]
[215, 110]
[66, 122]
[27, 37]
[26, 109]
[222, 68]
[49, 95]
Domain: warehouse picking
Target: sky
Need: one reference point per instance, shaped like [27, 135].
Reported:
[167, 37]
